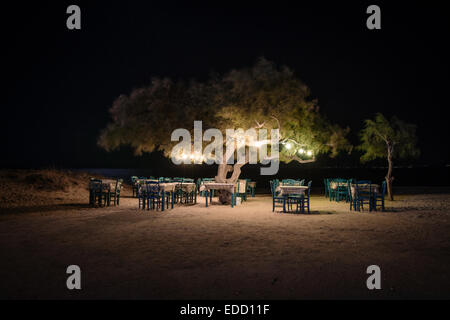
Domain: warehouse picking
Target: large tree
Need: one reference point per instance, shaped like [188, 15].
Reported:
[263, 96]
[388, 139]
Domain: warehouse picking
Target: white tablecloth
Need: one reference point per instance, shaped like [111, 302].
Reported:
[287, 190]
[334, 185]
[172, 186]
[364, 188]
[106, 184]
[217, 186]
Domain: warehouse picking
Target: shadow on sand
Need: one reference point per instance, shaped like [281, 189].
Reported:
[47, 208]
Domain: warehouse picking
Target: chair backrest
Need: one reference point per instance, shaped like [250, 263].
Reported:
[188, 180]
[289, 181]
[118, 186]
[177, 179]
[325, 185]
[133, 179]
[383, 188]
[95, 184]
[151, 187]
[273, 187]
[292, 182]
[363, 187]
[349, 189]
[309, 188]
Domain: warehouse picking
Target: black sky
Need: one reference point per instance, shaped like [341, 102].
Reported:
[58, 84]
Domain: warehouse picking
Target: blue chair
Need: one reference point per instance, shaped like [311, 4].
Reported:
[276, 199]
[96, 192]
[292, 182]
[134, 186]
[295, 198]
[306, 198]
[332, 192]
[191, 196]
[250, 189]
[363, 194]
[351, 198]
[114, 195]
[378, 198]
[325, 185]
[341, 191]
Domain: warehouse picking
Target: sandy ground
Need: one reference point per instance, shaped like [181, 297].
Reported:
[248, 252]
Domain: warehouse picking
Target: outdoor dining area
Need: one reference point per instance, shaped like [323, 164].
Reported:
[290, 192]
[292, 195]
[163, 193]
[358, 193]
[104, 191]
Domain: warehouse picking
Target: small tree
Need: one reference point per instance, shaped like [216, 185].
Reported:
[394, 139]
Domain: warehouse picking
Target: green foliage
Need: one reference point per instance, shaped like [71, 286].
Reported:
[380, 134]
[263, 94]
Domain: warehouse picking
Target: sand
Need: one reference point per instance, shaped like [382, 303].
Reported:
[248, 252]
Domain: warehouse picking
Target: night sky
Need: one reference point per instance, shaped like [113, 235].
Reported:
[59, 84]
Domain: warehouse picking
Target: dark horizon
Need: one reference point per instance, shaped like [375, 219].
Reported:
[61, 83]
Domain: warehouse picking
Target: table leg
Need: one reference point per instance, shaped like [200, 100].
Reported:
[162, 200]
[206, 197]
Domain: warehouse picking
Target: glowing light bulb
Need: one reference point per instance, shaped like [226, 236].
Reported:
[301, 151]
[309, 153]
[184, 156]
[289, 146]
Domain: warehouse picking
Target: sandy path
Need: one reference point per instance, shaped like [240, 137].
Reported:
[222, 253]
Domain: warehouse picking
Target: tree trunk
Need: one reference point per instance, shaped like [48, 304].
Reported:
[389, 177]
[225, 196]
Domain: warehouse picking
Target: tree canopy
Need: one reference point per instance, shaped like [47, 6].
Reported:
[381, 136]
[263, 96]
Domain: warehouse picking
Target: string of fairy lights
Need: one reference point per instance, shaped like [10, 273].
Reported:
[292, 146]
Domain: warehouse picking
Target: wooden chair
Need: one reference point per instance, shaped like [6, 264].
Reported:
[189, 197]
[378, 199]
[363, 194]
[276, 199]
[341, 191]
[155, 197]
[351, 197]
[134, 187]
[325, 185]
[114, 195]
[96, 192]
[306, 198]
[250, 189]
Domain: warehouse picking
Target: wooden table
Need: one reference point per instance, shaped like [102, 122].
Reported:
[103, 186]
[365, 188]
[208, 186]
[286, 190]
[171, 187]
